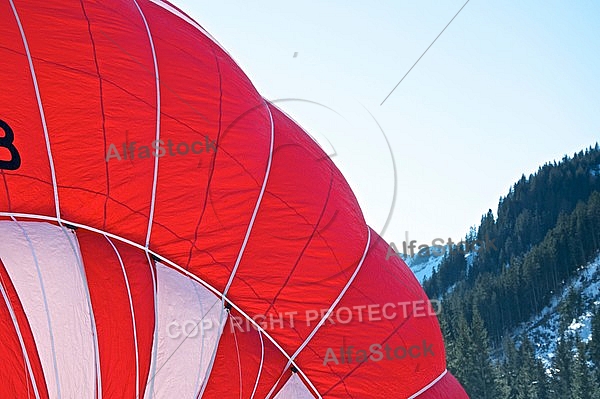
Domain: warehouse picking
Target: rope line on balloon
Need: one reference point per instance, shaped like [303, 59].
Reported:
[156, 160]
[429, 386]
[40, 107]
[239, 361]
[52, 172]
[59, 220]
[133, 319]
[212, 165]
[260, 367]
[157, 135]
[45, 300]
[165, 361]
[165, 86]
[358, 365]
[187, 19]
[170, 263]
[82, 276]
[181, 343]
[246, 237]
[54, 179]
[327, 314]
[153, 200]
[256, 207]
[98, 386]
[222, 320]
[19, 335]
[152, 266]
[176, 95]
[204, 314]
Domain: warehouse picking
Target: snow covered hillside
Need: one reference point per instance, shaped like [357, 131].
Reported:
[423, 266]
[543, 329]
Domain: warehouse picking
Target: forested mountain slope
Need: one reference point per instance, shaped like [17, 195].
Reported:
[531, 279]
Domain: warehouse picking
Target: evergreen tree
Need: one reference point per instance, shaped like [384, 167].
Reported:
[595, 349]
[508, 370]
[595, 342]
[569, 308]
[462, 350]
[482, 375]
[547, 227]
[562, 368]
[528, 380]
[581, 381]
[542, 381]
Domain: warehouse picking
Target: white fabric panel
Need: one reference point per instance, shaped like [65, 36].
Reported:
[21, 342]
[184, 352]
[294, 388]
[46, 274]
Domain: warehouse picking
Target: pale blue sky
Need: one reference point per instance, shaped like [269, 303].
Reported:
[507, 87]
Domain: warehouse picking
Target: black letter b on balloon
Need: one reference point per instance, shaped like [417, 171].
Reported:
[6, 141]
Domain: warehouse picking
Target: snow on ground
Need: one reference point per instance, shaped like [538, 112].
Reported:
[423, 266]
[542, 329]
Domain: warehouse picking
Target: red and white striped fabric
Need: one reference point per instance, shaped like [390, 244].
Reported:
[165, 232]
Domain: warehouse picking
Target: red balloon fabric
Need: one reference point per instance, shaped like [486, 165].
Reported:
[166, 232]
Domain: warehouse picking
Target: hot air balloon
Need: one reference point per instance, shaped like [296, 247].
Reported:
[166, 232]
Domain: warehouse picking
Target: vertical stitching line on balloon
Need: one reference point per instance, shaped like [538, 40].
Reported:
[19, 334]
[41, 109]
[213, 163]
[101, 108]
[303, 251]
[133, 320]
